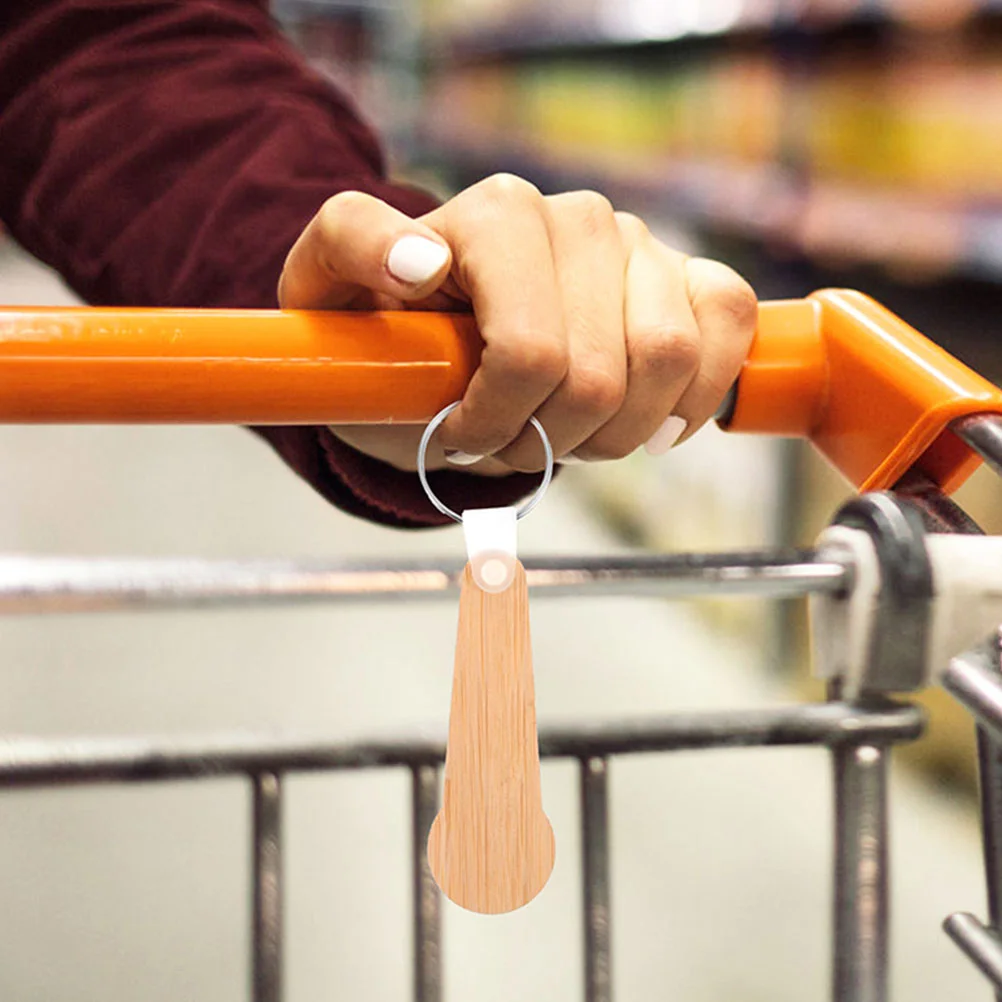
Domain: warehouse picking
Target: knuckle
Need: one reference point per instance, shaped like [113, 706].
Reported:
[536, 358]
[509, 188]
[596, 389]
[666, 351]
[632, 226]
[343, 201]
[492, 202]
[730, 294]
[738, 299]
[337, 207]
[592, 211]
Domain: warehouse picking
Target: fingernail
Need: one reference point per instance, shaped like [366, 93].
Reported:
[416, 260]
[666, 436]
[571, 460]
[460, 458]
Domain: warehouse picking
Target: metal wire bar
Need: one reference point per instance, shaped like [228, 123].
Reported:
[990, 775]
[56, 585]
[983, 433]
[981, 944]
[427, 899]
[595, 865]
[859, 969]
[975, 680]
[267, 932]
[821, 724]
[39, 762]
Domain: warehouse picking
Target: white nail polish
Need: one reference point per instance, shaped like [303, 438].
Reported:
[459, 458]
[666, 436]
[416, 260]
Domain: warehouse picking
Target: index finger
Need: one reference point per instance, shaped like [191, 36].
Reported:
[504, 264]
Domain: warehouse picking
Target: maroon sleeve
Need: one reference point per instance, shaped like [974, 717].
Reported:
[166, 153]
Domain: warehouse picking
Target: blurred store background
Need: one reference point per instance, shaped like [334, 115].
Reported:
[809, 143]
[835, 142]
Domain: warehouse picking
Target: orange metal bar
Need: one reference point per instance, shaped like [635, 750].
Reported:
[870, 392]
[231, 366]
[873, 395]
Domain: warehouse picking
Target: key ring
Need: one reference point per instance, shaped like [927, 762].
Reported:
[422, 472]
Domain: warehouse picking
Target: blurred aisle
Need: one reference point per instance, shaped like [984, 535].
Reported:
[720, 862]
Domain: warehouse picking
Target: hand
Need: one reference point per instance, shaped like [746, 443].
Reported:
[609, 337]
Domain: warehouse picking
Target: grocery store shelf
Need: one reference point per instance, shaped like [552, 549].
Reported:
[818, 219]
[530, 38]
[627, 24]
[290, 10]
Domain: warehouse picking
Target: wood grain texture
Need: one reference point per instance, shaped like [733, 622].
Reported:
[491, 848]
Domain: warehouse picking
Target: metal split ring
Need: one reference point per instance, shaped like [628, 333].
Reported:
[422, 471]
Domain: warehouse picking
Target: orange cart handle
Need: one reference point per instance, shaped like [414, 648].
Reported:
[873, 395]
[139, 366]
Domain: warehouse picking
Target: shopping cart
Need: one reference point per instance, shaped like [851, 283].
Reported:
[905, 592]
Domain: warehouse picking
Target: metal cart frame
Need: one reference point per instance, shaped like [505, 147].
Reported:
[882, 403]
[860, 734]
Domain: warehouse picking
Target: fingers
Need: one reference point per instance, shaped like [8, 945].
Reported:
[689, 324]
[589, 260]
[663, 344]
[609, 337]
[726, 309]
[504, 264]
[356, 243]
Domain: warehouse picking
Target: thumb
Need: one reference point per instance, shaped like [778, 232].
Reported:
[357, 242]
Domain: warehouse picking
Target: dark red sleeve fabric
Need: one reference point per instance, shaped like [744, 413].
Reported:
[164, 153]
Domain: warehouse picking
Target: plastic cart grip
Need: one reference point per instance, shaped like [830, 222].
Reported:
[134, 366]
[874, 396]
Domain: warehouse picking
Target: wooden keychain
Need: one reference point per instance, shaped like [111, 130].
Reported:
[491, 848]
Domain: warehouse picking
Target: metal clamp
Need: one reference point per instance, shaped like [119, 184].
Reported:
[875, 636]
[899, 630]
[917, 599]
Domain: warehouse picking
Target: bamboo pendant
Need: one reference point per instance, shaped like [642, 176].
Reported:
[491, 848]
